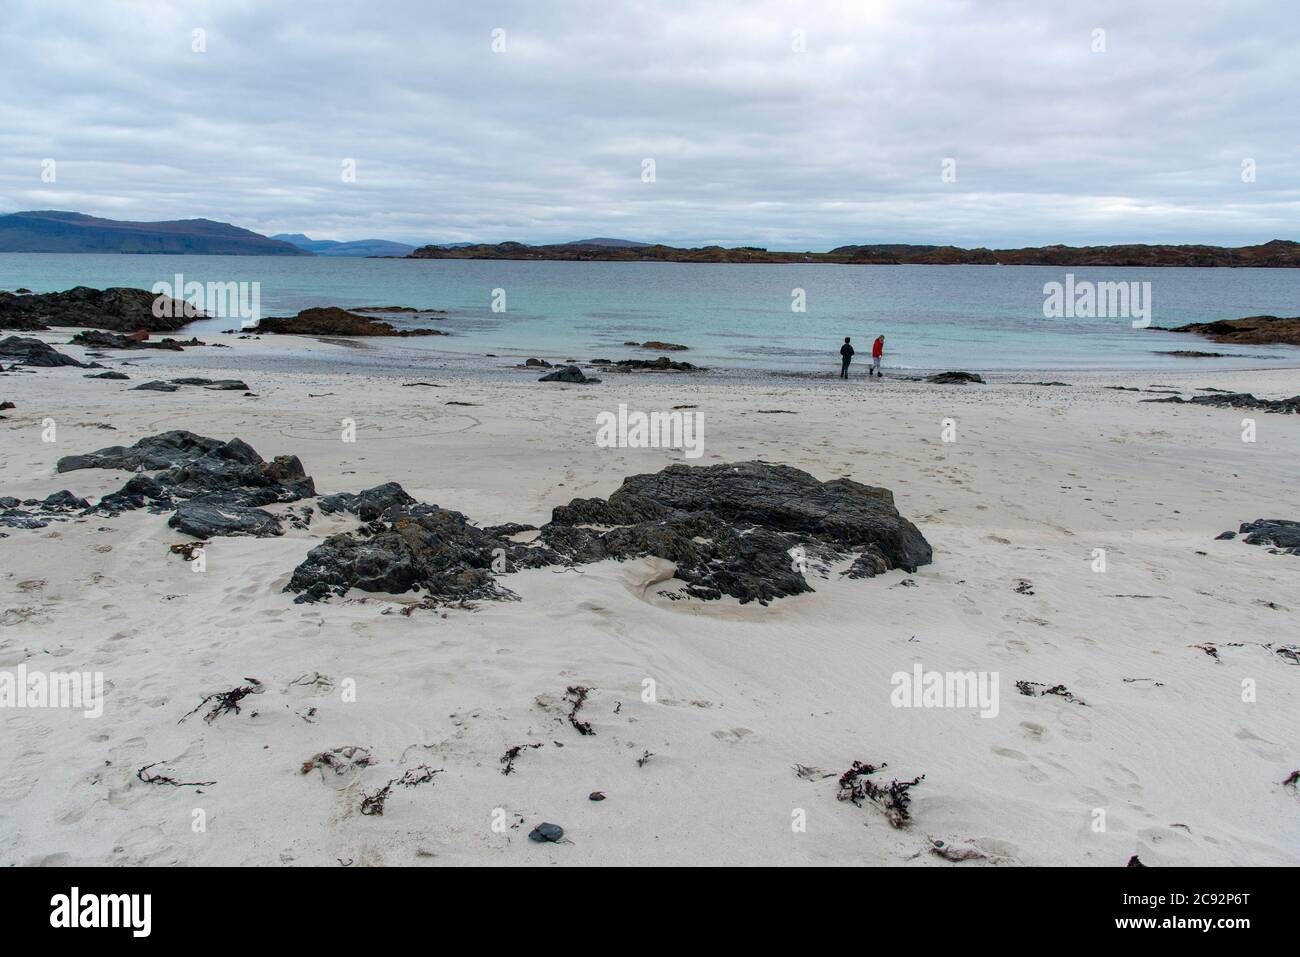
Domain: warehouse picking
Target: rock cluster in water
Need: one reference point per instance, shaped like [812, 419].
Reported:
[118, 309]
[1252, 330]
[332, 321]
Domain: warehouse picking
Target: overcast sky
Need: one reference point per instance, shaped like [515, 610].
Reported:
[753, 141]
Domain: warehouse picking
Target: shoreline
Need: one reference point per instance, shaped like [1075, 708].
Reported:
[400, 357]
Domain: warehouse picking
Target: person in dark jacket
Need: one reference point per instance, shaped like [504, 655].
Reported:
[846, 356]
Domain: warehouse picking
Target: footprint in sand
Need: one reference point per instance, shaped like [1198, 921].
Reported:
[1123, 778]
[1031, 772]
[311, 684]
[734, 736]
[1013, 646]
[1034, 732]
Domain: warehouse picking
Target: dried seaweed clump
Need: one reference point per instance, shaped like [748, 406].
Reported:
[144, 775]
[373, 804]
[508, 759]
[1035, 689]
[341, 761]
[226, 701]
[893, 798]
[576, 695]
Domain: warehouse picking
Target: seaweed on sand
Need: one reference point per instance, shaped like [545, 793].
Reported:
[893, 798]
[373, 804]
[339, 760]
[576, 695]
[1035, 689]
[144, 775]
[508, 759]
[226, 701]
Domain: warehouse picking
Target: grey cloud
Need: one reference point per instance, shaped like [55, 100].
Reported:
[753, 142]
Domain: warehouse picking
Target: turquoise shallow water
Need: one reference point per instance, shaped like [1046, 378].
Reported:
[982, 318]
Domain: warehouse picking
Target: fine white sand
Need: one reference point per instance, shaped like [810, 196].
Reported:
[1185, 770]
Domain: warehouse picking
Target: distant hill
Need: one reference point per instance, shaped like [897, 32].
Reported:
[359, 247]
[616, 243]
[53, 231]
[1279, 253]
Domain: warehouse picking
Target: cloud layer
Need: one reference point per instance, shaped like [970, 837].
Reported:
[753, 139]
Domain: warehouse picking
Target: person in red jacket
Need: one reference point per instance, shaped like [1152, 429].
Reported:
[877, 351]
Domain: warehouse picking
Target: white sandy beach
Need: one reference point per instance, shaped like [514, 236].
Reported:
[1185, 771]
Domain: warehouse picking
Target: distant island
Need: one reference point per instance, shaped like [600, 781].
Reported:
[1279, 253]
[356, 247]
[54, 231]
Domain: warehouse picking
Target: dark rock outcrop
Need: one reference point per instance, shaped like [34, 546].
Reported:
[568, 374]
[34, 352]
[658, 346]
[746, 530]
[367, 505]
[166, 450]
[96, 339]
[662, 364]
[731, 527]
[227, 478]
[1280, 533]
[956, 378]
[38, 513]
[207, 519]
[419, 546]
[436, 312]
[1237, 400]
[1252, 330]
[118, 309]
[216, 385]
[332, 321]
[108, 375]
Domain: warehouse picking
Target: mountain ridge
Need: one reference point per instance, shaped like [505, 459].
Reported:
[61, 231]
